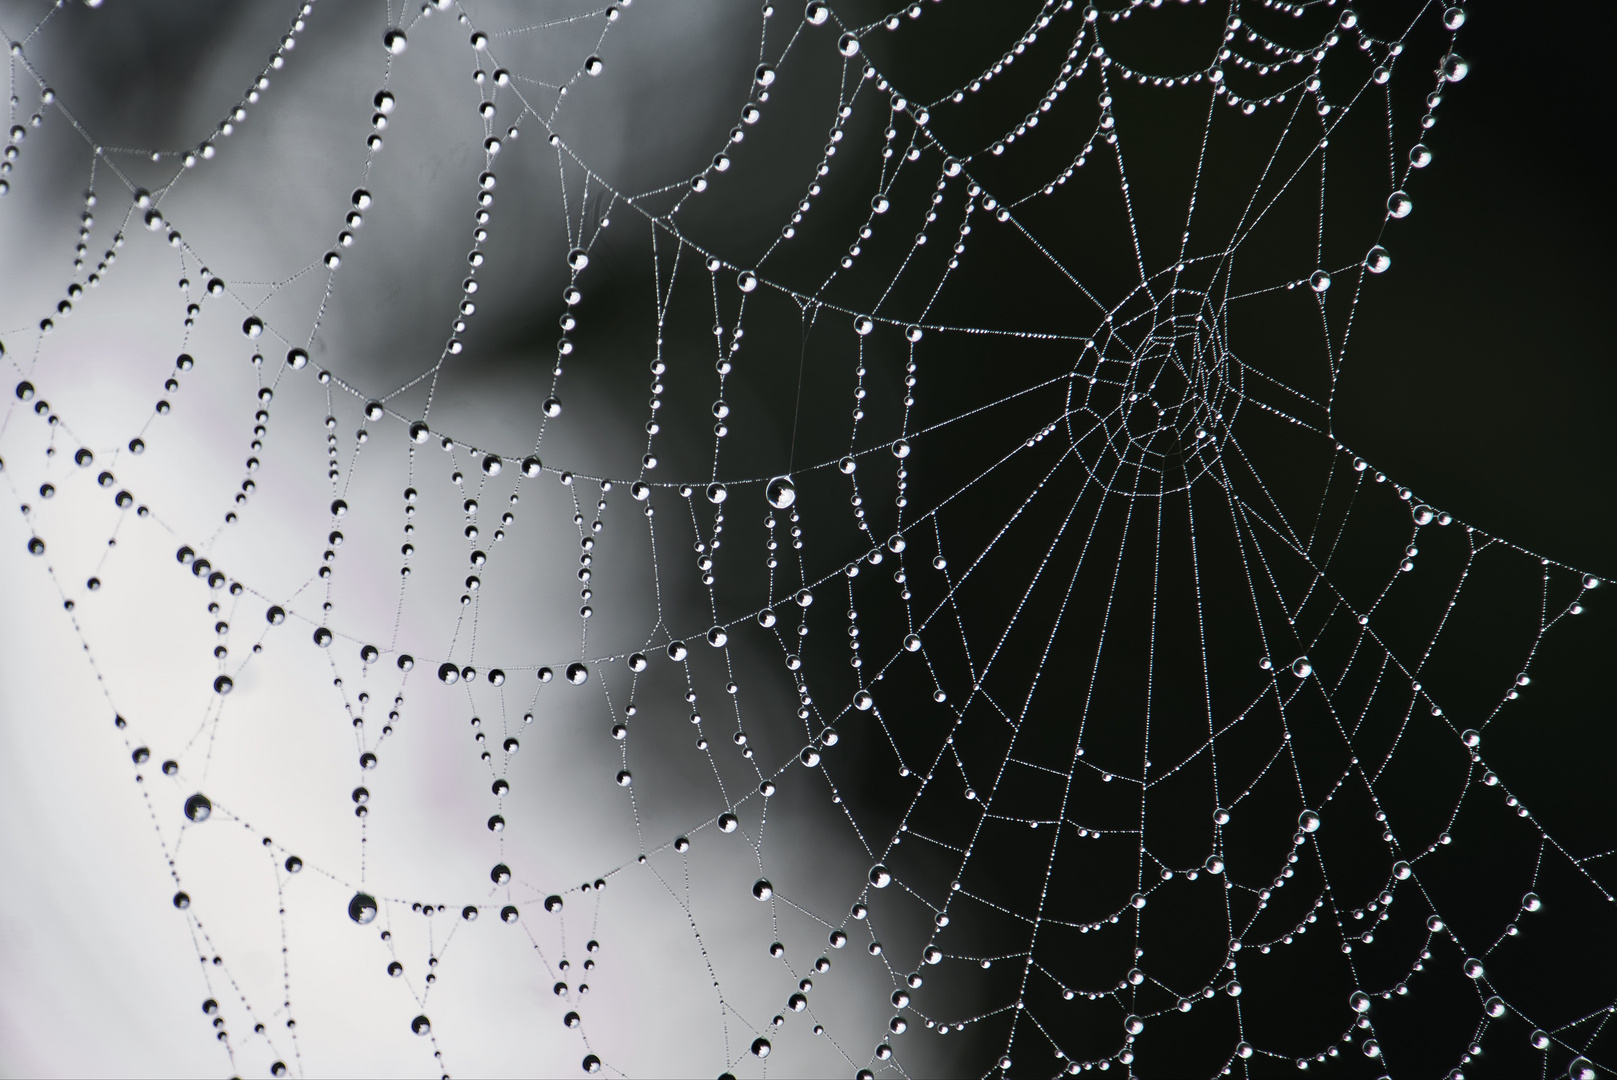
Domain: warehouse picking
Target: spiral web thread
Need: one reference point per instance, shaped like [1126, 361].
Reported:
[1134, 449]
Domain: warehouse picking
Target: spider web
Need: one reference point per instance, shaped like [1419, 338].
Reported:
[1143, 724]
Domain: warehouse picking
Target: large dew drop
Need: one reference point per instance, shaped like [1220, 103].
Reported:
[198, 807]
[780, 492]
[362, 908]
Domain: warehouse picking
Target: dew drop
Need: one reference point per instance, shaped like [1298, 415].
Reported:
[198, 807]
[780, 492]
[362, 908]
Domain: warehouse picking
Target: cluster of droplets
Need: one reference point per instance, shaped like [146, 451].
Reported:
[780, 494]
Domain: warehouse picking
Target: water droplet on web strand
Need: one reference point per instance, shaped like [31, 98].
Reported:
[253, 326]
[780, 492]
[448, 674]
[762, 889]
[1473, 968]
[577, 674]
[880, 876]
[1399, 204]
[322, 636]
[863, 324]
[182, 900]
[1319, 281]
[716, 493]
[1420, 156]
[578, 258]
[746, 281]
[1301, 668]
[717, 636]
[594, 66]
[362, 908]
[553, 904]
[728, 822]
[1531, 902]
[223, 685]
[1308, 821]
[395, 42]
[421, 1025]
[816, 13]
[552, 407]
[901, 449]
[198, 807]
[760, 1048]
[863, 701]
[592, 1064]
[848, 45]
[1455, 67]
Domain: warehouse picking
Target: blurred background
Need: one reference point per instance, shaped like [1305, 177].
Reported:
[1098, 457]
